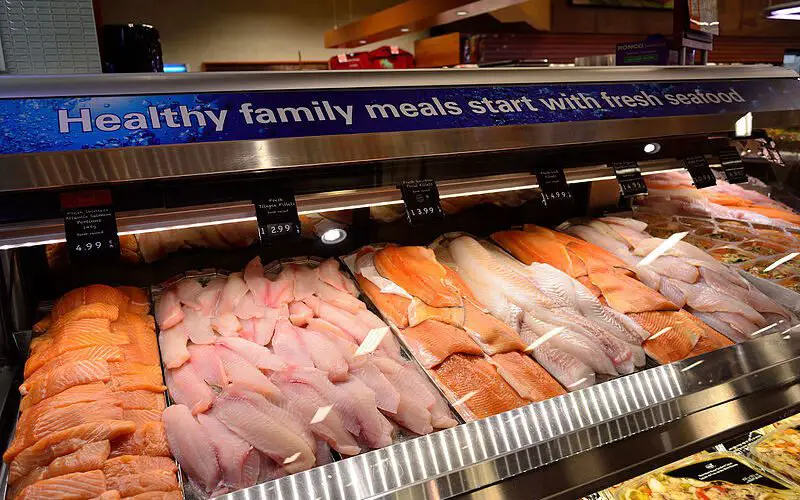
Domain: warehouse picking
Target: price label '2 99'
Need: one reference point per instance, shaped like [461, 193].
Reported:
[421, 198]
[276, 213]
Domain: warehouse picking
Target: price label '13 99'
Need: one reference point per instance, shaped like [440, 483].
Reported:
[421, 198]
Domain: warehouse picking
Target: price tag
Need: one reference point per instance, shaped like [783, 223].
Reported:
[553, 184]
[701, 173]
[90, 225]
[276, 213]
[732, 163]
[629, 177]
[421, 198]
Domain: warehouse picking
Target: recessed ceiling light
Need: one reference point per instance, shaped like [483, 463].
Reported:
[462, 13]
[404, 30]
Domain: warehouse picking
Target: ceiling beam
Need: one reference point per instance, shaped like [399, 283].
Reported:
[409, 16]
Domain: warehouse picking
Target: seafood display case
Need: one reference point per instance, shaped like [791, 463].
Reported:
[487, 283]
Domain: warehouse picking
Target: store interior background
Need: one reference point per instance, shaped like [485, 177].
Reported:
[194, 32]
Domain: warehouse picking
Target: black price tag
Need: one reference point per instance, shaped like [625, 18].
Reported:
[421, 198]
[732, 164]
[701, 173]
[90, 225]
[724, 469]
[629, 177]
[276, 213]
[553, 184]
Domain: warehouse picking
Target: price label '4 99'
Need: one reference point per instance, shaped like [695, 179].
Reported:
[90, 225]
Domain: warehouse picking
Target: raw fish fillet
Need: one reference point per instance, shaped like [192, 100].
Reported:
[740, 324]
[264, 328]
[209, 297]
[154, 495]
[43, 423]
[329, 273]
[386, 397]
[303, 401]
[65, 442]
[287, 345]
[234, 291]
[207, 365]
[77, 335]
[393, 307]
[191, 445]
[187, 292]
[282, 289]
[300, 313]
[242, 412]
[338, 298]
[305, 281]
[198, 327]
[136, 484]
[75, 486]
[415, 269]
[419, 311]
[227, 325]
[247, 307]
[530, 380]
[139, 300]
[62, 378]
[147, 439]
[751, 296]
[88, 458]
[137, 464]
[141, 416]
[242, 372]
[667, 265]
[233, 453]
[432, 342]
[97, 310]
[127, 376]
[357, 405]
[570, 371]
[462, 375]
[325, 354]
[90, 295]
[261, 357]
[320, 325]
[538, 246]
[256, 282]
[173, 345]
[702, 297]
[627, 295]
[93, 353]
[186, 387]
[673, 344]
[491, 334]
[78, 394]
[134, 400]
[341, 318]
[168, 310]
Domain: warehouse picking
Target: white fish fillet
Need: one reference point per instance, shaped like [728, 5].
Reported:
[233, 453]
[191, 445]
[566, 368]
[187, 388]
[259, 356]
[173, 343]
[288, 346]
[207, 364]
[242, 372]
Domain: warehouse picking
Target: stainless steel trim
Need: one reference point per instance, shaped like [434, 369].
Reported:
[481, 453]
[103, 167]
[159, 83]
[52, 231]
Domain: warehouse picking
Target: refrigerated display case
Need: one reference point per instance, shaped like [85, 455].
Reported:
[167, 171]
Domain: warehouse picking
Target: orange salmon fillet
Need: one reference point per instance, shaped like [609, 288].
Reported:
[135, 376]
[141, 417]
[455, 281]
[463, 375]
[137, 464]
[530, 380]
[65, 442]
[710, 340]
[139, 301]
[91, 353]
[39, 426]
[64, 377]
[135, 484]
[157, 495]
[674, 344]
[537, 244]
[432, 341]
[416, 270]
[78, 394]
[393, 307]
[148, 439]
[628, 295]
[90, 295]
[75, 486]
[77, 334]
[490, 333]
[142, 400]
[91, 457]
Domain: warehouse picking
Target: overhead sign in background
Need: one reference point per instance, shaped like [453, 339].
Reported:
[63, 124]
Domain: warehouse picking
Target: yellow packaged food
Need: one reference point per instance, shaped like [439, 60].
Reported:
[779, 450]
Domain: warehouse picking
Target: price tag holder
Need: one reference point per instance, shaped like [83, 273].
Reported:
[90, 225]
[421, 199]
[276, 214]
[701, 173]
[553, 184]
[629, 177]
[732, 164]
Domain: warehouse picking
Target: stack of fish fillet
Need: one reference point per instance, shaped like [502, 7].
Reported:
[475, 357]
[688, 277]
[569, 331]
[90, 422]
[672, 334]
[674, 193]
[268, 374]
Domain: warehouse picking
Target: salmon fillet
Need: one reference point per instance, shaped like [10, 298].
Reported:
[393, 307]
[530, 380]
[142, 400]
[77, 334]
[673, 344]
[135, 484]
[91, 457]
[710, 340]
[90, 295]
[92, 353]
[65, 442]
[77, 394]
[39, 426]
[628, 295]
[136, 376]
[64, 377]
[137, 464]
[463, 375]
[75, 486]
[141, 417]
[535, 245]
[432, 341]
[456, 282]
[157, 495]
[108, 495]
[490, 333]
[139, 301]
[148, 439]
[416, 270]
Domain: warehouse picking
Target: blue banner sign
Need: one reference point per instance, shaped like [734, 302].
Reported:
[64, 124]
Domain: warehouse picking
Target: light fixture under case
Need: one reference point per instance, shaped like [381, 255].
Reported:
[786, 11]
